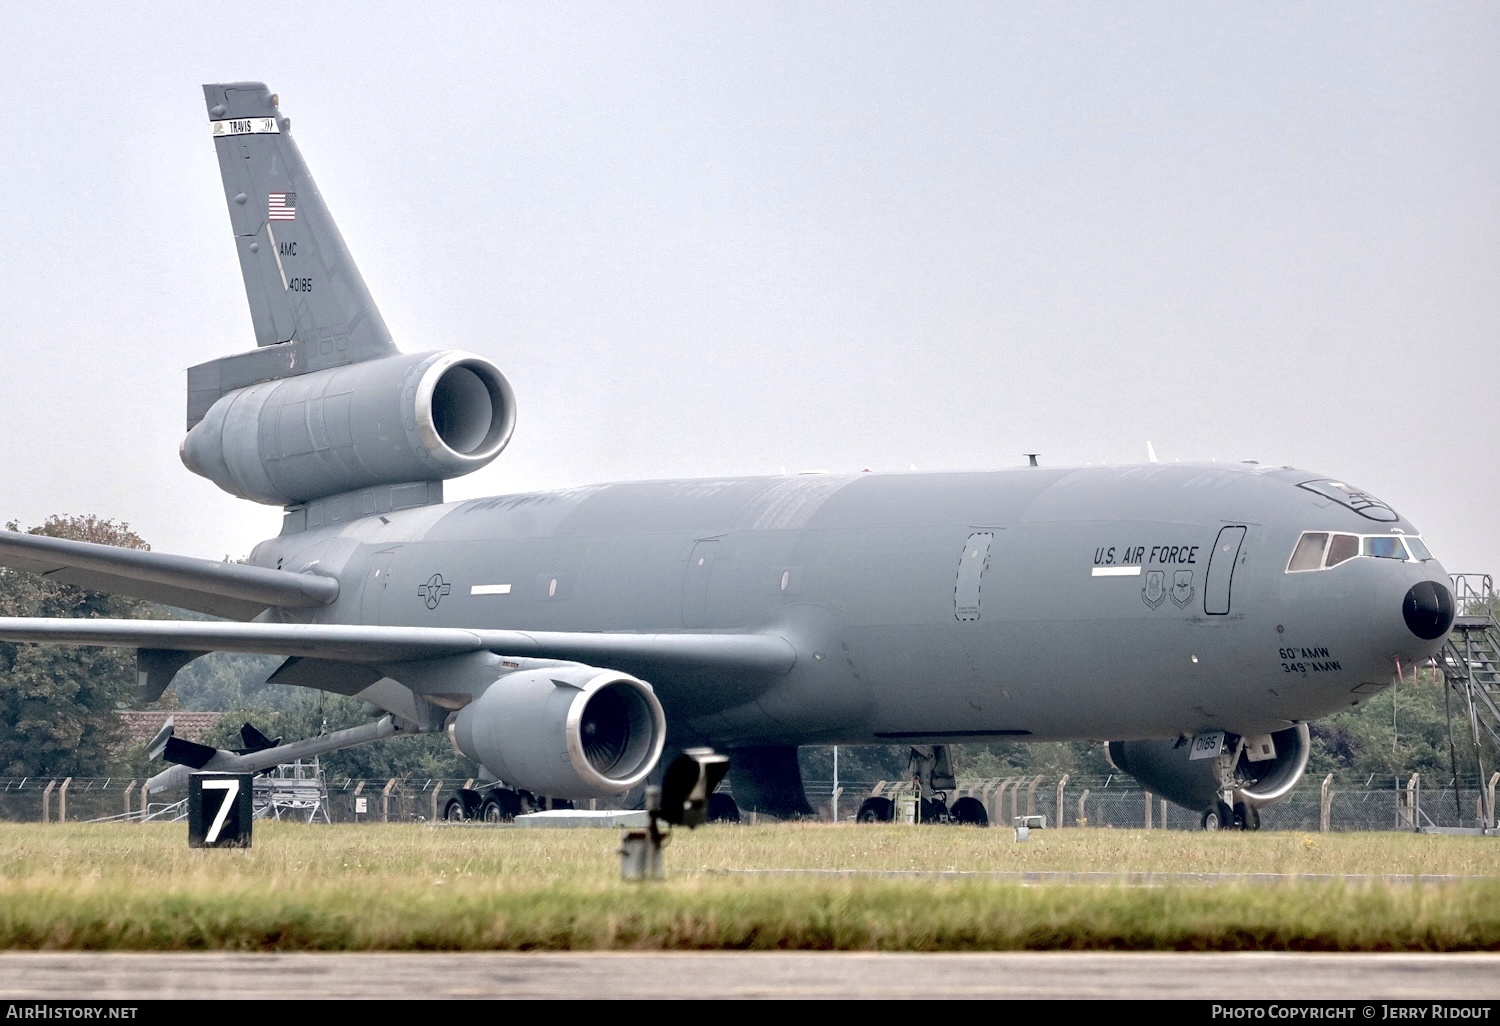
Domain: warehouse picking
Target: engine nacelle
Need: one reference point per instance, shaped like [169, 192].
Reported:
[1163, 768]
[415, 417]
[564, 731]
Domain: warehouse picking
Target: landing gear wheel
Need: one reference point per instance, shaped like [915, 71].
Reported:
[969, 812]
[453, 812]
[1220, 817]
[722, 809]
[502, 806]
[1246, 816]
[933, 810]
[875, 810]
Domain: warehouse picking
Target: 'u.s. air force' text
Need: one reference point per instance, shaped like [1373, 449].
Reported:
[1137, 555]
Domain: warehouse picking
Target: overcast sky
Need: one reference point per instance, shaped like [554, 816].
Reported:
[707, 239]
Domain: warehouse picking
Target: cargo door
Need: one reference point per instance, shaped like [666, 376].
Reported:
[1221, 564]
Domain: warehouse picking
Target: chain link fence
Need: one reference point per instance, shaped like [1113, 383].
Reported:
[1337, 804]
[84, 799]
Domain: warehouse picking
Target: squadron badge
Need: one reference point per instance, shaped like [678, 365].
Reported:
[1182, 588]
[1155, 588]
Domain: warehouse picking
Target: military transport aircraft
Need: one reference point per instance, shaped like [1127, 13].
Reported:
[1196, 616]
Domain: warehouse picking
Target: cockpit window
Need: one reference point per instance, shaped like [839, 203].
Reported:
[1309, 552]
[1343, 546]
[1384, 546]
[1319, 550]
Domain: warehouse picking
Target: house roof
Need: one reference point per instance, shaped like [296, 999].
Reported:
[190, 726]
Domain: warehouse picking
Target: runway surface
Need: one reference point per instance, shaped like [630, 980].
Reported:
[1213, 977]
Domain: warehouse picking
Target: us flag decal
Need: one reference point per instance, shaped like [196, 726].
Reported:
[283, 206]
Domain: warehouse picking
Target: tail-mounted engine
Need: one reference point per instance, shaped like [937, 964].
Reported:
[404, 418]
[564, 731]
[1164, 768]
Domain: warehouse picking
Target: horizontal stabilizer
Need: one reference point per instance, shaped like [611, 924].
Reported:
[255, 741]
[158, 744]
[175, 749]
[188, 753]
[231, 590]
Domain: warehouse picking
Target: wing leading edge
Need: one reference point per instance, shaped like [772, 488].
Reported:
[163, 646]
[354, 643]
[231, 590]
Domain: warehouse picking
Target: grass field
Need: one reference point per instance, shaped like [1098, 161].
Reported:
[414, 887]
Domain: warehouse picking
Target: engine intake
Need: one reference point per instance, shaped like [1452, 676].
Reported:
[415, 417]
[564, 731]
[1163, 767]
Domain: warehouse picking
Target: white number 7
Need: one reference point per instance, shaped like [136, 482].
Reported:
[231, 786]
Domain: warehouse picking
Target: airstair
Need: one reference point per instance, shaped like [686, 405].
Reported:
[1470, 661]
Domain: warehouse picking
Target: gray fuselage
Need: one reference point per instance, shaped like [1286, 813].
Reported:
[1035, 603]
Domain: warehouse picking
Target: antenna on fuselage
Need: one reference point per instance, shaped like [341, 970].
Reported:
[1031, 456]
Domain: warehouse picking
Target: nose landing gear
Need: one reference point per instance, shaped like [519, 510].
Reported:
[1223, 816]
[1227, 813]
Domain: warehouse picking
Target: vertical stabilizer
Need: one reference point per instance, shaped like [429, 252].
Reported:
[301, 282]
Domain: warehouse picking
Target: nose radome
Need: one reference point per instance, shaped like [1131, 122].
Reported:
[1428, 610]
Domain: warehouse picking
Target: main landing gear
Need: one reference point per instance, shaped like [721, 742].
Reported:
[969, 811]
[497, 804]
[722, 809]
[965, 811]
[930, 771]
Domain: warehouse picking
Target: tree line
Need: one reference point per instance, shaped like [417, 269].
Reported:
[59, 704]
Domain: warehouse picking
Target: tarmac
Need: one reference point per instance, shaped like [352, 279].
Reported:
[1364, 980]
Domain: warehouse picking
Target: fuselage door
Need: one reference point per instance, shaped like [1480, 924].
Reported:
[376, 581]
[1221, 570]
[695, 583]
[971, 565]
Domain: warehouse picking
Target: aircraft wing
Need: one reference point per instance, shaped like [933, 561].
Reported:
[231, 590]
[647, 655]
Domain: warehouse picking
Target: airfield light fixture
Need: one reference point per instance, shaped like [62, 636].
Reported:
[681, 800]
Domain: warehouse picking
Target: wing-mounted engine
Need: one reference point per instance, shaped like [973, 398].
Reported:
[564, 731]
[1261, 774]
[404, 418]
